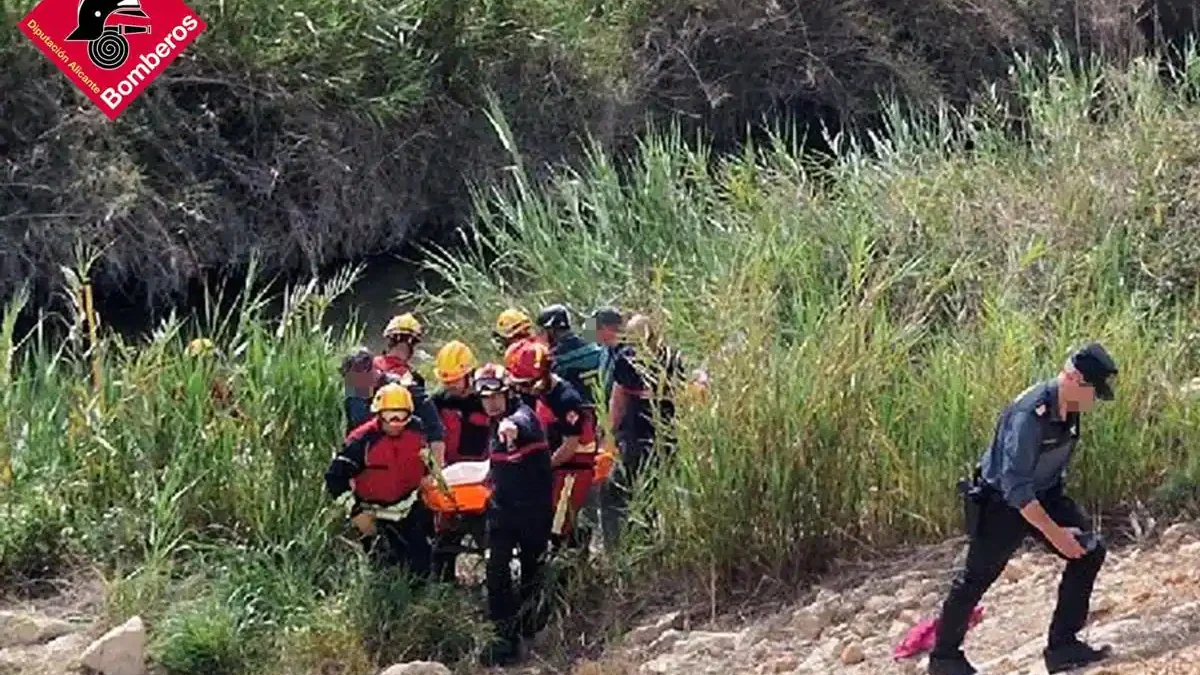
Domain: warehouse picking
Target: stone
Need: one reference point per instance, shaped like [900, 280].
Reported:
[1177, 533]
[646, 635]
[878, 603]
[751, 637]
[1102, 604]
[121, 651]
[662, 665]
[418, 668]
[1191, 549]
[17, 629]
[704, 642]
[667, 641]
[782, 664]
[1016, 570]
[852, 654]
[809, 622]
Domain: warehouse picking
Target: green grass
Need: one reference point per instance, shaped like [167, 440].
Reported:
[863, 318]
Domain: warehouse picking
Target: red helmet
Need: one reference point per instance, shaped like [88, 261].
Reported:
[527, 361]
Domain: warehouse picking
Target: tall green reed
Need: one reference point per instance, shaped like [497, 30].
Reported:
[865, 319]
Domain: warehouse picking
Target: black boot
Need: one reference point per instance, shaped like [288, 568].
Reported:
[951, 665]
[1073, 655]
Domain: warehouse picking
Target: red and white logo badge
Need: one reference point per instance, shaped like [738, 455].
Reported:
[112, 49]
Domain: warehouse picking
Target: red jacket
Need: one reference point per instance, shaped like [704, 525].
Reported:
[562, 412]
[381, 469]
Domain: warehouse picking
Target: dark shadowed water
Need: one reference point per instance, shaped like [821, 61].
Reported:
[370, 302]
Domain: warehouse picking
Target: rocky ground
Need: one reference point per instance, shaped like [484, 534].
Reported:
[1147, 604]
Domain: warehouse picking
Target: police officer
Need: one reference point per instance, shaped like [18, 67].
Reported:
[1018, 490]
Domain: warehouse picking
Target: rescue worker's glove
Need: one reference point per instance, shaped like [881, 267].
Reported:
[508, 432]
[363, 520]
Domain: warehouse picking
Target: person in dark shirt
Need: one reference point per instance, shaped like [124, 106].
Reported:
[1018, 490]
[518, 513]
[378, 472]
[570, 433]
[642, 411]
[363, 377]
[572, 359]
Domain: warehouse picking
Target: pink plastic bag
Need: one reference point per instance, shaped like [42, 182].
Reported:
[919, 639]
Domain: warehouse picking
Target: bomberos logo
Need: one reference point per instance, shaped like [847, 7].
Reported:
[112, 49]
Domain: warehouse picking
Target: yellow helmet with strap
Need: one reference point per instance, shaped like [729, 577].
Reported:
[392, 397]
[403, 325]
[200, 347]
[512, 322]
[454, 361]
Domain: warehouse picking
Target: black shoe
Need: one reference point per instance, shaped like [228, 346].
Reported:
[1074, 655]
[951, 665]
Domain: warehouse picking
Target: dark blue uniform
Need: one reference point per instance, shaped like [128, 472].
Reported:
[519, 516]
[650, 382]
[358, 408]
[1026, 460]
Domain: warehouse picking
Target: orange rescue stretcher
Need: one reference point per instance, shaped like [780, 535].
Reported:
[465, 493]
[459, 501]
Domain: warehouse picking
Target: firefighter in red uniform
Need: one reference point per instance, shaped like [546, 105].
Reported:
[570, 432]
[518, 514]
[463, 419]
[403, 333]
[379, 470]
[466, 430]
[512, 327]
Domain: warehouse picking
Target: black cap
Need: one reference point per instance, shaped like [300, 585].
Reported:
[554, 316]
[359, 360]
[1096, 366]
[606, 317]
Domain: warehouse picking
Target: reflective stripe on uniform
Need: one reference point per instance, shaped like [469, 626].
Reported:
[395, 512]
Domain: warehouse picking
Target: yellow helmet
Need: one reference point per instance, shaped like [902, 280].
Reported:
[200, 347]
[454, 361]
[512, 322]
[403, 325]
[392, 397]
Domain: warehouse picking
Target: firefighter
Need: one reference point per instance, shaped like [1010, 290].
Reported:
[518, 514]
[570, 433]
[461, 413]
[402, 335]
[466, 436]
[378, 471]
[512, 326]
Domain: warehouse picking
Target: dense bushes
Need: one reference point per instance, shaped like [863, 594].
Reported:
[316, 132]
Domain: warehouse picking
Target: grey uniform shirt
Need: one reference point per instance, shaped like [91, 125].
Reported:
[1031, 447]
